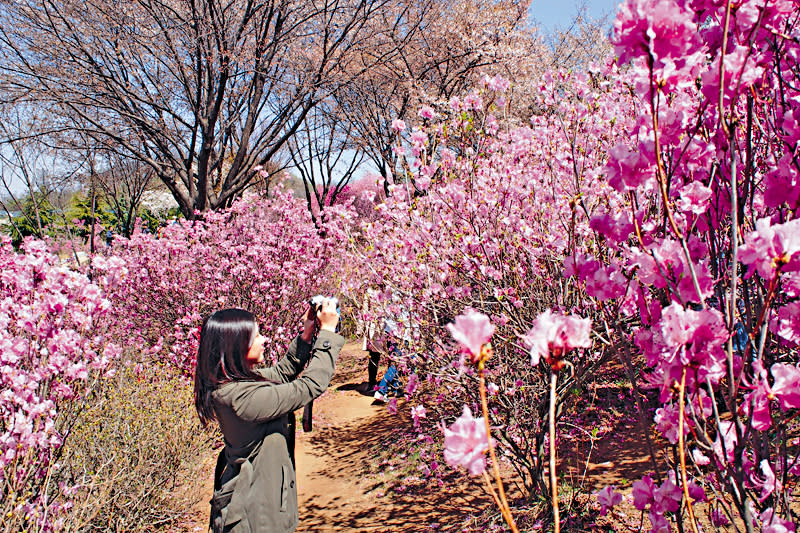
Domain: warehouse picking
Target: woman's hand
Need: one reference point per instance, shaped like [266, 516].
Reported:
[309, 325]
[327, 315]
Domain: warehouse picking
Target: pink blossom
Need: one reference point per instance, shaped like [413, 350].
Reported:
[418, 412]
[630, 167]
[787, 323]
[427, 112]
[398, 125]
[727, 437]
[694, 198]
[608, 497]
[656, 26]
[757, 401]
[666, 420]
[770, 483]
[412, 384]
[684, 337]
[556, 335]
[465, 443]
[782, 183]
[471, 331]
[771, 523]
[667, 498]
[495, 83]
[786, 386]
[660, 32]
[419, 138]
[473, 101]
[615, 226]
[700, 458]
[695, 491]
[643, 491]
[718, 518]
[658, 522]
[771, 247]
[606, 283]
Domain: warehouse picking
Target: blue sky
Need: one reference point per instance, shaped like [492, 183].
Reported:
[552, 14]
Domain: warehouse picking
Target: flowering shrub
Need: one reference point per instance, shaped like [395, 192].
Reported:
[263, 254]
[657, 196]
[53, 350]
[469, 229]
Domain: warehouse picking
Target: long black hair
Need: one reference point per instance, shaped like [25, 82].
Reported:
[225, 339]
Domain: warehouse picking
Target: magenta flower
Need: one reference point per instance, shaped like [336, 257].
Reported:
[700, 458]
[694, 198]
[770, 523]
[426, 112]
[667, 419]
[471, 331]
[727, 437]
[495, 83]
[643, 493]
[718, 519]
[667, 498]
[465, 443]
[771, 247]
[659, 522]
[555, 335]
[473, 101]
[608, 497]
[419, 138]
[418, 412]
[412, 384]
[757, 401]
[786, 387]
[770, 484]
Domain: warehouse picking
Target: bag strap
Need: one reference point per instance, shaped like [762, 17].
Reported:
[221, 462]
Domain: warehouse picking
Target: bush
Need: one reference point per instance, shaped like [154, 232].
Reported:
[128, 449]
[54, 352]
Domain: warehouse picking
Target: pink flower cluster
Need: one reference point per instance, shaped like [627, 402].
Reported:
[471, 331]
[466, 442]
[553, 336]
[662, 499]
[264, 255]
[52, 341]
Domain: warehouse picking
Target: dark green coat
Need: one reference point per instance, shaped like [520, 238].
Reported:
[259, 480]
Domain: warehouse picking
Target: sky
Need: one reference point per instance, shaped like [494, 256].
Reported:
[552, 14]
[549, 15]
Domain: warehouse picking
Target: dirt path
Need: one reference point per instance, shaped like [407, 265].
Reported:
[340, 486]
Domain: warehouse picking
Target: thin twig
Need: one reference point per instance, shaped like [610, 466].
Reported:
[553, 476]
[504, 507]
[682, 452]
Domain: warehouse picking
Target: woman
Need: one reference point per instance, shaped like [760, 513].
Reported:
[255, 481]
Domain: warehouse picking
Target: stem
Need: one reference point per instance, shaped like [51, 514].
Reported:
[724, 51]
[491, 490]
[553, 477]
[682, 452]
[505, 509]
